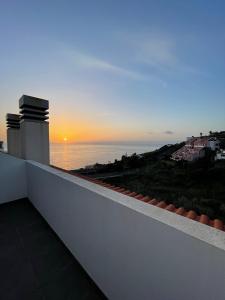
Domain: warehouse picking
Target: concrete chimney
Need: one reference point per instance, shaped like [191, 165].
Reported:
[13, 134]
[34, 129]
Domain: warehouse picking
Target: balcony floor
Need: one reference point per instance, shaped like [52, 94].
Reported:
[34, 263]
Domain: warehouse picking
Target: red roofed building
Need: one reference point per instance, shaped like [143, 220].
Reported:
[195, 148]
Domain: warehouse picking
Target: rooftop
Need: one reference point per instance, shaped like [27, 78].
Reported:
[129, 248]
[191, 214]
[35, 264]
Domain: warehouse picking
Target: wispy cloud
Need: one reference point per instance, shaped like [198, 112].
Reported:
[91, 62]
[150, 132]
[169, 132]
[157, 51]
[161, 52]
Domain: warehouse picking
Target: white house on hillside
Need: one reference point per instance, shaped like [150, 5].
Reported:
[220, 155]
[195, 148]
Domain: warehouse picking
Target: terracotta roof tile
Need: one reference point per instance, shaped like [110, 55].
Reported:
[121, 190]
[126, 192]
[146, 199]
[139, 197]
[204, 219]
[171, 207]
[153, 202]
[218, 224]
[132, 194]
[191, 215]
[118, 189]
[161, 204]
[180, 211]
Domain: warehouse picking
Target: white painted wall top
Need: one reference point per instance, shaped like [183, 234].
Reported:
[193, 228]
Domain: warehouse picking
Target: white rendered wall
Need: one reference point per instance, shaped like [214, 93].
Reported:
[213, 145]
[132, 250]
[35, 140]
[13, 184]
[13, 142]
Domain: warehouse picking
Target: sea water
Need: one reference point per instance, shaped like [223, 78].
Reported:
[74, 156]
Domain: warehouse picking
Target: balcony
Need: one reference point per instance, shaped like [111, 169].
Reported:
[83, 237]
[35, 264]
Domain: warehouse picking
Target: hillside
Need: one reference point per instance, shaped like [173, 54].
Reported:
[199, 185]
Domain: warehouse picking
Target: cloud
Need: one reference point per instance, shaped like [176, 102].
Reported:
[168, 132]
[159, 51]
[150, 132]
[91, 62]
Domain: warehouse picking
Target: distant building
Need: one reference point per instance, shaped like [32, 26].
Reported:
[195, 148]
[220, 155]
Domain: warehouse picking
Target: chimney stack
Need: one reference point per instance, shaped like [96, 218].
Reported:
[34, 129]
[13, 134]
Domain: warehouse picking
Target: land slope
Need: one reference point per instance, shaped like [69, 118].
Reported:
[199, 185]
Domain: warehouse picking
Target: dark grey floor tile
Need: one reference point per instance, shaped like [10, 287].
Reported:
[72, 283]
[25, 295]
[18, 278]
[34, 263]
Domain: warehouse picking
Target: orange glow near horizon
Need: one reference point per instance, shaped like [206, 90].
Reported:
[59, 134]
[70, 131]
[78, 132]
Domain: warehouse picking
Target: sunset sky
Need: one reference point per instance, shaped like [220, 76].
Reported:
[131, 71]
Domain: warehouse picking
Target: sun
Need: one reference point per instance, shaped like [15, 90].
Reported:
[65, 139]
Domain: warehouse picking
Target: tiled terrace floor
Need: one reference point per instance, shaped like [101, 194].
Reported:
[34, 263]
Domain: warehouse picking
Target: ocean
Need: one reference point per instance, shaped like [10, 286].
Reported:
[74, 156]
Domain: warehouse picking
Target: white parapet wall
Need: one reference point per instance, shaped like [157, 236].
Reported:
[13, 181]
[132, 250]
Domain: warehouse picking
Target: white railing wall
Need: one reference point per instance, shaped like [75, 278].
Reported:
[132, 250]
[13, 181]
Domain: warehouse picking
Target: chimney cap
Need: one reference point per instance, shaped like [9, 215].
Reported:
[30, 101]
[13, 117]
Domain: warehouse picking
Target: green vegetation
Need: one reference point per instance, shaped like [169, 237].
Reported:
[198, 185]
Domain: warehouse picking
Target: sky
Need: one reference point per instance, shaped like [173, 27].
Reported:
[116, 71]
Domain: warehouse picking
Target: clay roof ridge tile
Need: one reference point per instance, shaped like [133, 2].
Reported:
[191, 214]
[161, 204]
[170, 207]
[153, 202]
